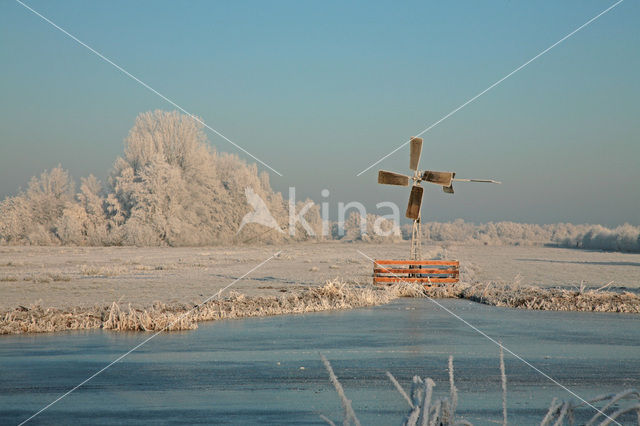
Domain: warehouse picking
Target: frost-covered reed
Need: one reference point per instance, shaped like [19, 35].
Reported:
[503, 382]
[160, 316]
[546, 299]
[349, 414]
[333, 295]
[614, 407]
[425, 411]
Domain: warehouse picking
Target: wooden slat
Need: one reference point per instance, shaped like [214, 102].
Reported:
[443, 271]
[414, 280]
[414, 271]
[417, 262]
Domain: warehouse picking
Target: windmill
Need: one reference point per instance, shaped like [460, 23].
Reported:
[444, 179]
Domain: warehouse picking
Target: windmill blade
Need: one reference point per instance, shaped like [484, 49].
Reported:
[416, 150]
[415, 202]
[438, 178]
[478, 180]
[391, 178]
[449, 189]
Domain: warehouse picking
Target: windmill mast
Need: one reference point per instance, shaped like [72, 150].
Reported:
[416, 230]
[416, 240]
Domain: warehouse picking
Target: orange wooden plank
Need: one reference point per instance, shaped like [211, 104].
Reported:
[423, 276]
[414, 280]
[415, 271]
[417, 262]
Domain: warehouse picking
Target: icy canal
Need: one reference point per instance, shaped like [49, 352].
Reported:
[268, 370]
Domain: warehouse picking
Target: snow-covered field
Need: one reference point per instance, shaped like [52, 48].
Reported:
[87, 276]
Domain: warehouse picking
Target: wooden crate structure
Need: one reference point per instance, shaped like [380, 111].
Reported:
[418, 271]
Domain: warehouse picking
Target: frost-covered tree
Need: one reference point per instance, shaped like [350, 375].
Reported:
[376, 229]
[170, 187]
[84, 222]
[31, 216]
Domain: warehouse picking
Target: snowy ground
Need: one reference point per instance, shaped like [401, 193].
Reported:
[86, 276]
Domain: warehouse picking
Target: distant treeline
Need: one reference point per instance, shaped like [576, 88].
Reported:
[593, 237]
[170, 188]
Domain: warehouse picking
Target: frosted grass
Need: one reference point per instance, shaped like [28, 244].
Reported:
[334, 294]
[425, 411]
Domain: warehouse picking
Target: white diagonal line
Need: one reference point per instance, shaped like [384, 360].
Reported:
[147, 340]
[482, 333]
[136, 79]
[496, 83]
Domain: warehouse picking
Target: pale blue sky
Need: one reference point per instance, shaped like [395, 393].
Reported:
[320, 90]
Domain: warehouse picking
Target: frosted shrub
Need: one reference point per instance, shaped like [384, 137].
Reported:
[596, 237]
[593, 237]
[628, 238]
[71, 226]
[30, 216]
[387, 230]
